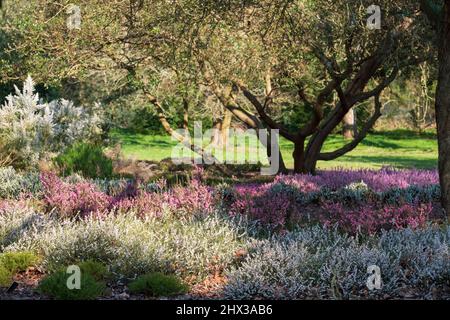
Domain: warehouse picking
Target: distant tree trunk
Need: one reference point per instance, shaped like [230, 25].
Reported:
[222, 129]
[349, 125]
[215, 139]
[443, 109]
[185, 114]
[225, 128]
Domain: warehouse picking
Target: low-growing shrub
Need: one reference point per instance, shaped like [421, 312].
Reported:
[55, 286]
[132, 246]
[86, 159]
[11, 185]
[376, 180]
[16, 220]
[94, 268]
[18, 261]
[158, 285]
[290, 201]
[195, 199]
[13, 262]
[5, 276]
[370, 219]
[273, 207]
[14, 184]
[323, 263]
[71, 199]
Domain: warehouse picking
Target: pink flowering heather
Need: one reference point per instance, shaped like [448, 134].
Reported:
[370, 219]
[193, 199]
[70, 199]
[196, 198]
[144, 204]
[274, 209]
[377, 180]
[259, 203]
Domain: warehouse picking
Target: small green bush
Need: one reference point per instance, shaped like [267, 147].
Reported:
[18, 261]
[96, 269]
[87, 159]
[55, 285]
[157, 284]
[5, 277]
[13, 262]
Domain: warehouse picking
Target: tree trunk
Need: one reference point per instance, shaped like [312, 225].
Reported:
[222, 130]
[299, 157]
[215, 139]
[349, 125]
[225, 127]
[185, 114]
[443, 110]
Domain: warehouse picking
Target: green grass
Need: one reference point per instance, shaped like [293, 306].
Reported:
[400, 148]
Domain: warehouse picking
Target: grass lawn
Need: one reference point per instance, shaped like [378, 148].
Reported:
[400, 148]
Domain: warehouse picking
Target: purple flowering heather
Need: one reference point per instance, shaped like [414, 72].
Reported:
[258, 201]
[70, 199]
[371, 219]
[377, 180]
[325, 198]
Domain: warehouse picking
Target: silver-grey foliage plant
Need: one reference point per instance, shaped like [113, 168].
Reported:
[31, 129]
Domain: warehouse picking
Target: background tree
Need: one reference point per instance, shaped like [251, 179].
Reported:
[263, 60]
[277, 54]
[438, 13]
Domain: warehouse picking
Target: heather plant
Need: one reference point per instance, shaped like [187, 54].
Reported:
[5, 277]
[196, 199]
[376, 180]
[68, 199]
[15, 184]
[114, 187]
[13, 262]
[94, 268]
[361, 204]
[11, 185]
[412, 194]
[370, 219]
[323, 263]
[131, 246]
[31, 130]
[16, 221]
[273, 206]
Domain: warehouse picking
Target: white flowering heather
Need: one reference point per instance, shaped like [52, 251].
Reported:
[30, 128]
[17, 221]
[14, 184]
[321, 263]
[132, 246]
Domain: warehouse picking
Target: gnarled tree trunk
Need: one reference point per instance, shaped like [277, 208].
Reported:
[443, 110]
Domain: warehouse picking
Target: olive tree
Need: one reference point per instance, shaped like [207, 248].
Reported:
[265, 57]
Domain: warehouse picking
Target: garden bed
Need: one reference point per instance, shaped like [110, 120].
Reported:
[296, 237]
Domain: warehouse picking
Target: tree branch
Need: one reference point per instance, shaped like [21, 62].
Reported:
[181, 138]
[262, 113]
[360, 136]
